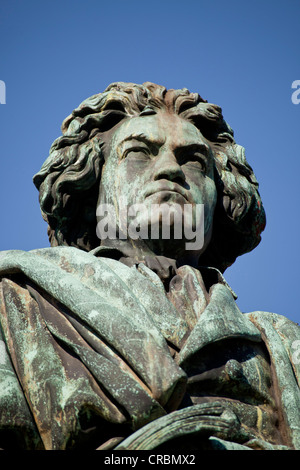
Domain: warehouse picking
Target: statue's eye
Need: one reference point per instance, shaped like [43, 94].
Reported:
[193, 159]
[137, 152]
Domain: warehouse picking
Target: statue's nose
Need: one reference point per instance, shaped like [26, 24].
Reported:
[167, 167]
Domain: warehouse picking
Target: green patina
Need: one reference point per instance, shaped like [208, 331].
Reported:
[139, 344]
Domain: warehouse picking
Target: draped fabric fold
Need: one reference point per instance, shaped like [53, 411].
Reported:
[88, 339]
[79, 339]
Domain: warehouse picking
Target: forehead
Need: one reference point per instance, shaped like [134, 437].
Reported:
[158, 128]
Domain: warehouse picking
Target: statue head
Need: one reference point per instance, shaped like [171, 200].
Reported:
[146, 144]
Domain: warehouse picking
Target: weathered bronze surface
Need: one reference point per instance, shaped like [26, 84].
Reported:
[139, 344]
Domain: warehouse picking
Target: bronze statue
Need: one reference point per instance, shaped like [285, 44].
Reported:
[124, 343]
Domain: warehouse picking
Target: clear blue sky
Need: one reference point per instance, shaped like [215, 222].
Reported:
[241, 55]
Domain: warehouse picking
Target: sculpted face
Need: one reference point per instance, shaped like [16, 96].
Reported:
[158, 159]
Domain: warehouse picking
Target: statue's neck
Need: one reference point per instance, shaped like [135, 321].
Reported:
[138, 251]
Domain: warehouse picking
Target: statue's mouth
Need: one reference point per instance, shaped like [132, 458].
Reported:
[166, 186]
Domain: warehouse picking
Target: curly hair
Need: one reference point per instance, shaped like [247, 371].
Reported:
[69, 180]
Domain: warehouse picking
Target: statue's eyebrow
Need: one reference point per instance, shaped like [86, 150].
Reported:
[194, 147]
[142, 138]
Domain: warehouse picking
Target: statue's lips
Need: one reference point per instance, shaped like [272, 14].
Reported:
[169, 187]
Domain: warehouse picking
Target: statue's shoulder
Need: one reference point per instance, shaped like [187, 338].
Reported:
[282, 337]
[62, 264]
[54, 252]
[268, 321]
[20, 260]
[64, 257]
